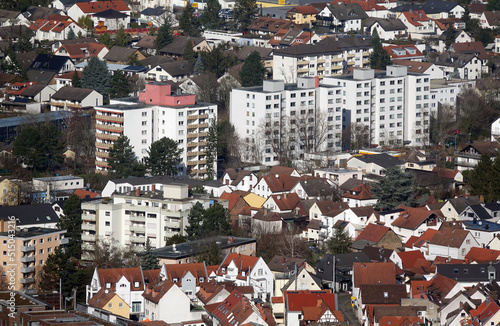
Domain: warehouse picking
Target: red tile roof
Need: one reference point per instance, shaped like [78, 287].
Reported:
[415, 17]
[411, 241]
[450, 237]
[411, 218]
[286, 201]
[304, 10]
[297, 300]
[485, 311]
[232, 198]
[419, 288]
[177, 271]
[69, 75]
[236, 309]
[278, 169]
[373, 233]
[425, 238]
[408, 258]
[400, 321]
[482, 255]
[447, 173]
[441, 285]
[280, 182]
[244, 263]
[154, 292]
[360, 192]
[82, 194]
[374, 273]
[94, 7]
[113, 275]
[101, 298]
[83, 50]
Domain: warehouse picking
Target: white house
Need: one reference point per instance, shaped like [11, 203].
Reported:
[166, 302]
[237, 179]
[451, 242]
[115, 11]
[341, 17]
[414, 222]
[175, 71]
[373, 164]
[387, 29]
[55, 30]
[418, 24]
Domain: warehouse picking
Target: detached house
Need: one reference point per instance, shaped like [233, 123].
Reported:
[469, 156]
[451, 242]
[75, 99]
[459, 65]
[387, 28]
[274, 184]
[415, 221]
[359, 196]
[489, 19]
[165, 301]
[121, 55]
[373, 164]
[302, 15]
[79, 52]
[418, 24]
[187, 277]
[378, 236]
[111, 14]
[247, 270]
[239, 179]
[341, 17]
[175, 71]
[53, 30]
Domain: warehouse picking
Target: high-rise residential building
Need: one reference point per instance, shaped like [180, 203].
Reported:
[131, 218]
[278, 122]
[157, 113]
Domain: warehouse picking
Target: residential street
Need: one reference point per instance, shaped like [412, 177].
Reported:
[344, 300]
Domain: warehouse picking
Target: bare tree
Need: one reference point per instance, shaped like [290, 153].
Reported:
[312, 128]
[359, 136]
[109, 253]
[226, 84]
[208, 89]
[473, 113]
[442, 121]
[80, 138]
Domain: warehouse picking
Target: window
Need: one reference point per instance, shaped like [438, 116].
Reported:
[107, 223]
[110, 305]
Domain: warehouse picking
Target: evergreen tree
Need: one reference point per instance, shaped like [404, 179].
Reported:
[211, 19]
[493, 5]
[121, 157]
[244, 13]
[122, 38]
[466, 15]
[75, 80]
[484, 178]
[96, 76]
[195, 220]
[216, 220]
[210, 253]
[252, 72]
[163, 157]
[175, 239]
[71, 221]
[217, 61]
[188, 23]
[120, 85]
[149, 260]
[450, 36]
[24, 43]
[105, 38]
[340, 242]
[199, 68]
[379, 58]
[211, 151]
[189, 55]
[71, 35]
[394, 189]
[164, 36]
[86, 22]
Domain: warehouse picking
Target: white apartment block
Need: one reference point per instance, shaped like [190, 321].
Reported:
[158, 113]
[394, 104]
[132, 218]
[329, 57]
[287, 119]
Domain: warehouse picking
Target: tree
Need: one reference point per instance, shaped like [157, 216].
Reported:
[133, 60]
[176, 238]
[252, 72]
[86, 22]
[379, 58]
[493, 5]
[210, 253]
[163, 157]
[189, 55]
[484, 179]
[450, 36]
[71, 35]
[211, 19]
[188, 23]
[211, 150]
[119, 85]
[148, 260]
[71, 221]
[164, 36]
[105, 38]
[109, 253]
[122, 38]
[217, 61]
[358, 135]
[394, 189]
[96, 76]
[340, 242]
[473, 113]
[121, 157]
[198, 66]
[75, 80]
[80, 138]
[244, 13]
[216, 220]
[24, 43]
[195, 220]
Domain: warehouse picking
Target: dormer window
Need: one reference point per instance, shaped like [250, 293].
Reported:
[223, 270]
[175, 280]
[202, 279]
[136, 284]
[243, 273]
[108, 285]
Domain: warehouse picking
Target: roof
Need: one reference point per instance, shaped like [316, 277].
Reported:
[284, 264]
[113, 275]
[178, 68]
[83, 50]
[304, 10]
[317, 187]
[270, 25]
[154, 292]
[110, 14]
[412, 218]
[119, 54]
[49, 62]
[408, 258]
[279, 169]
[470, 47]
[287, 201]
[245, 51]
[33, 90]
[374, 273]
[179, 44]
[377, 254]
[94, 7]
[101, 298]
[384, 160]
[177, 271]
[280, 182]
[30, 214]
[232, 199]
[327, 45]
[467, 272]
[373, 233]
[440, 285]
[72, 93]
[424, 238]
[416, 17]
[326, 206]
[41, 76]
[381, 294]
[254, 200]
[244, 263]
[403, 51]
[265, 216]
[492, 17]
[235, 309]
[360, 192]
[297, 300]
[147, 42]
[347, 11]
[461, 203]
[387, 24]
[450, 237]
[482, 255]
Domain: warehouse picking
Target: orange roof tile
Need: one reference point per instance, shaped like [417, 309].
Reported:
[245, 264]
[94, 7]
[415, 17]
[482, 255]
[297, 300]
[373, 233]
[408, 258]
[412, 218]
[304, 10]
[360, 192]
[286, 201]
[419, 288]
[155, 291]
[374, 273]
[280, 182]
[232, 198]
[113, 275]
[82, 194]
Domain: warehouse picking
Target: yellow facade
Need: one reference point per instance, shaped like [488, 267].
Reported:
[118, 307]
[301, 19]
[9, 193]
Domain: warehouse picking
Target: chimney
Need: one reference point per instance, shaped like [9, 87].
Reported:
[481, 199]
[153, 188]
[138, 192]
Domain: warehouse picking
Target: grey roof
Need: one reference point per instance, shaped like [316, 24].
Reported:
[327, 45]
[284, 264]
[156, 11]
[34, 12]
[179, 44]
[192, 248]
[119, 54]
[324, 268]
[155, 60]
[33, 90]
[317, 187]
[480, 212]
[110, 14]
[437, 6]
[26, 59]
[30, 214]
[461, 203]
[41, 76]
[247, 50]
[469, 272]
[35, 118]
[378, 254]
[347, 11]
[349, 184]
[388, 24]
[72, 93]
[178, 68]
[458, 60]
[9, 14]
[7, 32]
[33, 232]
[384, 160]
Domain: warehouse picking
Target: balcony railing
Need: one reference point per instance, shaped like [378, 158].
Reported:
[28, 259]
[27, 280]
[26, 270]
[88, 227]
[108, 118]
[88, 237]
[27, 248]
[106, 136]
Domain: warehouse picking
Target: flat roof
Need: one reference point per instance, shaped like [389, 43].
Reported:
[32, 232]
[21, 299]
[482, 225]
[34, 118]
[58, 178]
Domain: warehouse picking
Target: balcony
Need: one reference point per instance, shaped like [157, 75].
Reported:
[27, 248]
[301, 70]
[350, 55]
[27, 280]
[27, 259]
[203, 116]
[192, 144]
[103, 145]
[137, 227]
[64, 241]
[321, 60]
[203, 125]
[26, 270]
[350, 63]
[192, 153]
[137, 218]
[468, 155]
[108, 127]
[192, 117]
[108, 118]
[103, 164]
[106, 136]
[321, 69]
[88, 227]
[203, 134]
[303, 62]
[102, 154]
[140, 239]
[202, 143]
[88, 217]
[337, 59]
[88, 237]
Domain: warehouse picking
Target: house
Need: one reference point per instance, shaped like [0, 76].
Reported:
[469, 156]
[442, 25]
[338, 176]
[373, 164]
[155, 15]
[268, 25]
[66, 79]
[470, 274]
[264, 221]
[483, 231]
[475, 48]
[75, 99]
[212, 292]
[274, 184]
[453, 207]
[410, 52]
[79, 52]
[386, 28]
[54, 30]
[359, 196]
[318, 189]
[460, 36]
[147, 45]
[489, 19]
[165, 301]
[418, 24]
[112, 14]
[482, 255]
[12, 18]
[310, 307]
[238, 179]
[110, 301]
[451, 242]
[178, 45]
[415, 221]
[30, 98]
[247, 270]
[303, 281]
[15, 33]
[52, 63]
[236, 309]
[175, 71]
[284, 269]
[463, 66]
[187, 277]
[335, 271]
[341, 17]
[373, 8]
[122, 55]
[379, 294]
[378, 236]
[302, 15]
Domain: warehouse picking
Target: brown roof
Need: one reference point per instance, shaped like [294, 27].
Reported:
[471, 47]
[413, 66]
[449, 237]
[33, 90]
[483, 147]
[374, 273]
[493, 17]
[101, 298]
[236, 175]
[263, 215]
[72, 93]
[373, 233]
[412, 217]
[270, 25]
[280, 182]
[278, 169]
[482, 255]
[326, 206]
[282, 263]
[286, 201]
[441, 285]
[383, 293]
[304, 10]
[113, 275]
[178, 68]
[83, 50]
[360, 192]
[154, 293]
[147, 42]
[119, 54]
[175, 271]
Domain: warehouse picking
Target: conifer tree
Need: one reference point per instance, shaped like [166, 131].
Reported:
[189, 55]
[71, 34]
[188, 23]
[379, 58]
[121, 157]
[164, 36]
[211, 150]
[122, 38]
[149, 260]
[119, 85]
[163, 157]
[96, 76]
[195, 220]
[199, 68]
[75, 80]
[340, 242]
[252, 72]
[394, 189]
[211, 19]
[450, 36]
[244, 13]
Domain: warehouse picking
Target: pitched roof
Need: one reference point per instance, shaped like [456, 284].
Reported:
[280, 182]
[413, 66]
[113, 275]
[387, 24]
[155, 291]
[347, 11]
[449, 237]
[246, 50]
[49, 62]
[408, 258]
[360, 192]
[83, 50]
[424, 238]
[326, 206]
[461, 203]
[384, 160]
[244, 263]
[403, 51]
[270, 25]
[377, 254]
[416, 17]
[101, 298]
[30, 214]
[482, 255]
[471, 47]
[178, 68]
[41, 76]
[94, 7]
[284, 264]
[177, 271]
[297, 300]
[492, 17]
[304, 10]
[383, 293]
[147, 42]
[374, 273]
[119, 54]
[263, 215]
[327, 45]
[279, 169]
[72, 93]
[235, 309]
[232, 199]
[177, 46]
[286, 201]
[411, 217]
[373, 233]
[440, 285]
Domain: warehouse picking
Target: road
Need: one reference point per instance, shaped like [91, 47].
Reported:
[344, 300]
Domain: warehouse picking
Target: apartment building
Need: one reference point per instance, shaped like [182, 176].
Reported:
[394, 105]
[278, 120]
[156, 114]
[329, 57]
[133, 217]
[29, 249]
